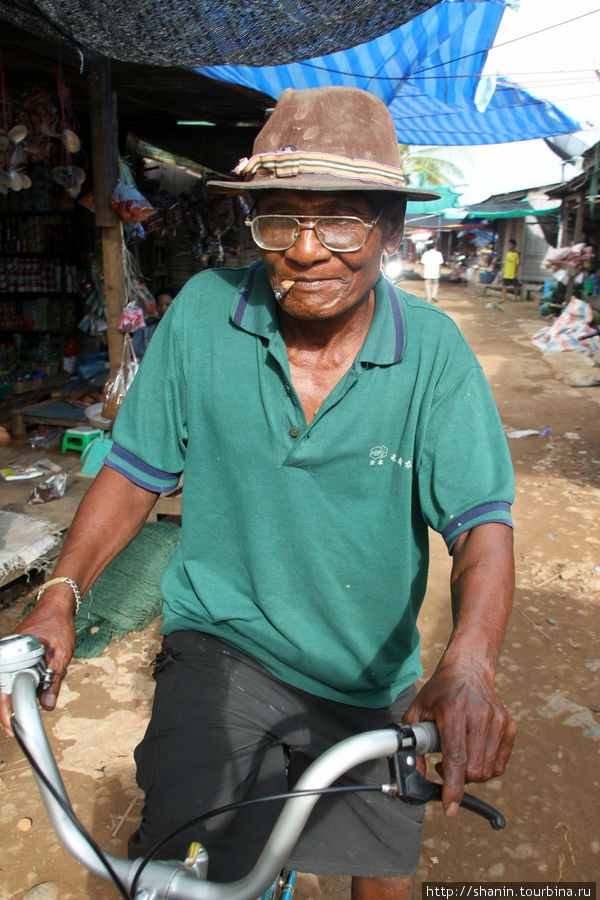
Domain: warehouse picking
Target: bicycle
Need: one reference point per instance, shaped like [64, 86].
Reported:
[23, 670]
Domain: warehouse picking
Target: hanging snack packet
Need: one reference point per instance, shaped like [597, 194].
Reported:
[128, 202]
[131, 318]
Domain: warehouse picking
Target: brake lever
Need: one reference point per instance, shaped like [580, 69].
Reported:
[415, 788]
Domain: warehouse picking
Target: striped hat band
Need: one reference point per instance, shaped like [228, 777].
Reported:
[291, 163]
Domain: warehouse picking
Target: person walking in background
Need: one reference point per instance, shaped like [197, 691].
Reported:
[511, 270]
[432, 262]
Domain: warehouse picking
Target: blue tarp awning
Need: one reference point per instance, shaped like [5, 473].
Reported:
[512, 115]
[428, 72]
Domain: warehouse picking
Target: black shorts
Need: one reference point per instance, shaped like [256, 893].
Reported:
[219, 726]
[508, 281]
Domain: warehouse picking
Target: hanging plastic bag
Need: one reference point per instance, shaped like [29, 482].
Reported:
[117, 386]
[131, 318]
[131, 206]
[128, 202]
[133, 232]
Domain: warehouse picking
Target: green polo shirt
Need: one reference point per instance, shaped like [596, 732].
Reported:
[306, 546]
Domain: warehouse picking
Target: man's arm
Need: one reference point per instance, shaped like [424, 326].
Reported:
[109, 516]
[476, 730]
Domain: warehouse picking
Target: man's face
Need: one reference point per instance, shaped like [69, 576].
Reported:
[326, 283]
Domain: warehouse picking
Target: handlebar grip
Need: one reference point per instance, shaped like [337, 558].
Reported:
[427, 737]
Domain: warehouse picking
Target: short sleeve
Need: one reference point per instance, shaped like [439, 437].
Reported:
[465, 475]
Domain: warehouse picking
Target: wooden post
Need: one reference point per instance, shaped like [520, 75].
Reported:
[564, 242]
[566, 214]
[578, 230]
[105, 155]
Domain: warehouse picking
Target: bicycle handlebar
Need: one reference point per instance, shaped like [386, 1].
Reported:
[22, 670]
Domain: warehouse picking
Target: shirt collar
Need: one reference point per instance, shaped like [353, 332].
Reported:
[254, 310]
[385, 340]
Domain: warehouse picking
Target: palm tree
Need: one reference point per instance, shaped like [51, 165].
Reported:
[422, 168]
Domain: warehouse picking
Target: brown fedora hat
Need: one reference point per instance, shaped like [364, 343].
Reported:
[325, 139]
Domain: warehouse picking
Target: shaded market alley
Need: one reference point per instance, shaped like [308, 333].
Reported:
[549, 674]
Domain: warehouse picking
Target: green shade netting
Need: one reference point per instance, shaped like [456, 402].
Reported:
[448, 198]
[507, 210]
[126, 596]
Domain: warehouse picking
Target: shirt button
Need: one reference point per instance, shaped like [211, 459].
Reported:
[294, 431]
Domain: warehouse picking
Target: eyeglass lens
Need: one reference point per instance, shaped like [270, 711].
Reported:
[275, 232]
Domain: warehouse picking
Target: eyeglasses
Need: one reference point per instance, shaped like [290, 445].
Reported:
[342, 234]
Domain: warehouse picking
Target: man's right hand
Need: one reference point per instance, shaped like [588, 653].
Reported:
[109, 516]
[52, 623]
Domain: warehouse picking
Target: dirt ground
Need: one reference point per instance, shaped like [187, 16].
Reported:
[549, 675]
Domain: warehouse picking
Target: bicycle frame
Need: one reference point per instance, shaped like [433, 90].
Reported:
[21, 671]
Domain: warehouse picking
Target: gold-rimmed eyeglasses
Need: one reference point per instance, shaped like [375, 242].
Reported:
[341, 234]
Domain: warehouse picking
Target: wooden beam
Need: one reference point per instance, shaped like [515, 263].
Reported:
[105, 155]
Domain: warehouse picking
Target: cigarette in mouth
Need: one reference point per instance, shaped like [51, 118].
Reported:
[281, 290]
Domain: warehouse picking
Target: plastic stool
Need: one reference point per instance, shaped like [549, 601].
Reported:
[79, 438]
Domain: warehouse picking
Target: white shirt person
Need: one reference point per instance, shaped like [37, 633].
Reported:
[432, 262]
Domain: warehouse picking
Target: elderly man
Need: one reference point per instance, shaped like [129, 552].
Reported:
[325, 421]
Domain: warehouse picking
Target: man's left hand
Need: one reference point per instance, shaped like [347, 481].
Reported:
[477, 733]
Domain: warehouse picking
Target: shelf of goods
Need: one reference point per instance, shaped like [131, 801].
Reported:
[38, 297]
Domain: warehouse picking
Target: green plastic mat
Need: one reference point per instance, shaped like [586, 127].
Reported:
[56, 409]
[126, 596]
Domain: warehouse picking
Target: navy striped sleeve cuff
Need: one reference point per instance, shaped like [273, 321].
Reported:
[136, 470]
[479, 515]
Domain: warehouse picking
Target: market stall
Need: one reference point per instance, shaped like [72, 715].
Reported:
[93, 220]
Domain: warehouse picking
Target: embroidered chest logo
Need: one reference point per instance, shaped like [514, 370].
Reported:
[381, 454]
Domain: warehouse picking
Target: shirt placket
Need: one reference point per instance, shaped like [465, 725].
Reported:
[299, 430]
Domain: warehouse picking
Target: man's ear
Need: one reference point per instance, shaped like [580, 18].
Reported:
[395, 223]
[394, 241]
[394, 238]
